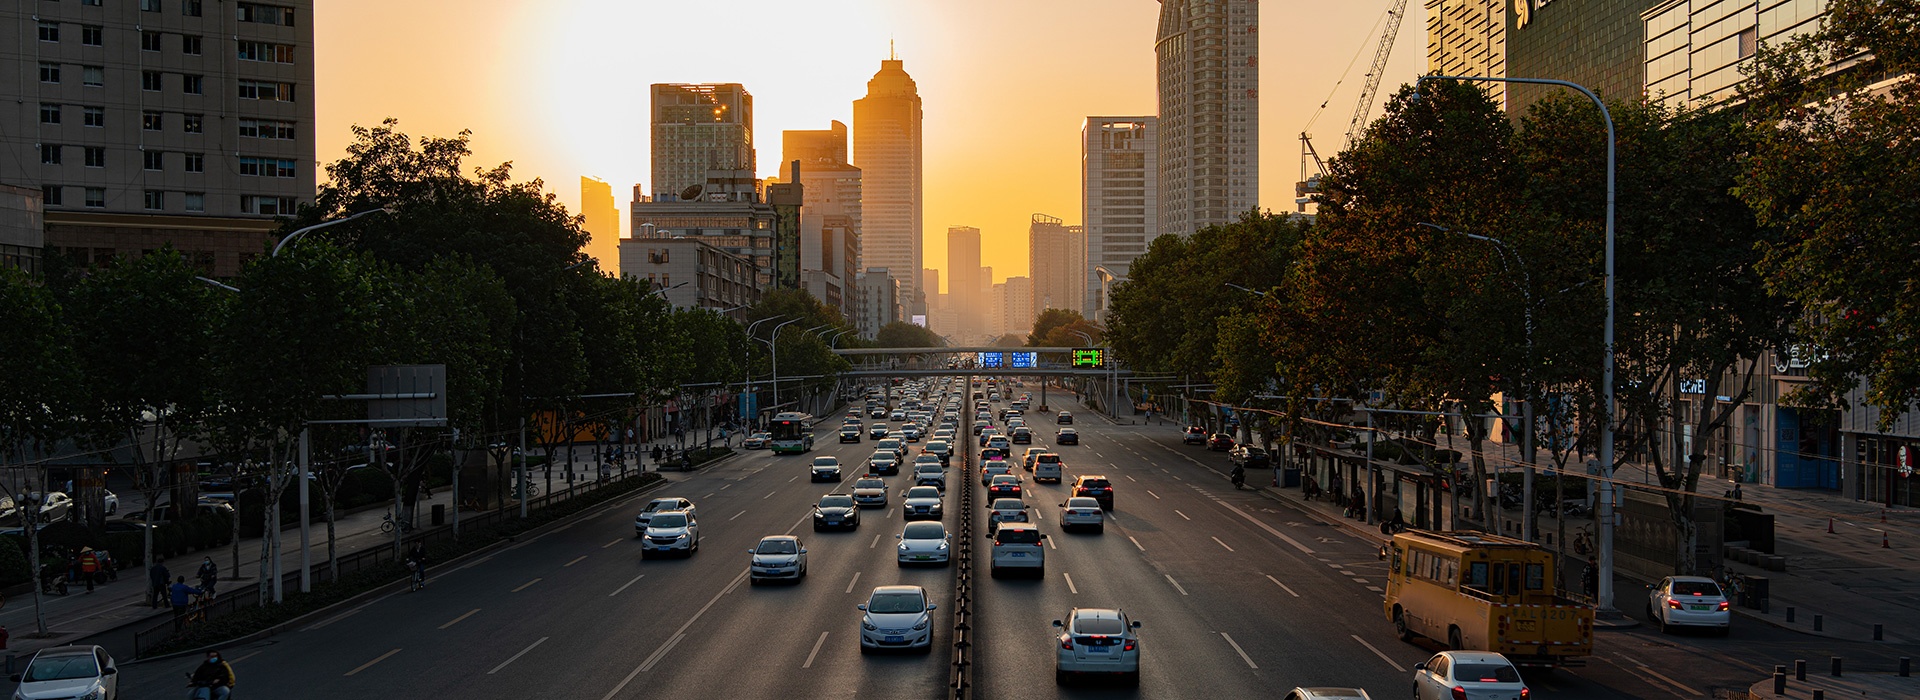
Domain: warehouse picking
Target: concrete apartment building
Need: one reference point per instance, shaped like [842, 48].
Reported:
[886, 148]
[1469, 37]
[699, 127]
[602, 222]
[160, 122]
[830, 216]
[23, 228]
[1057, 263]
[966, 288]
[1119, 190]
[878, 301]
[1013, 307]
[729, 214]
[1207, 55]
[691, 273]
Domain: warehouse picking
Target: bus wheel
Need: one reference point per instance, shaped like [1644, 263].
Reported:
[1400, 625]
[1453, 639]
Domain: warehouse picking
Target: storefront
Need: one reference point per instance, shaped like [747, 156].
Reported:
[1885, 468]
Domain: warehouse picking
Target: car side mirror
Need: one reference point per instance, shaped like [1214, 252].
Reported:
[15, 677]
[931, 606]
[803, 550]
[1056, 623]
[752, 552]
[862, 606]
[1422, 666]
[896, 536]
[1136, 624]
[109, 671]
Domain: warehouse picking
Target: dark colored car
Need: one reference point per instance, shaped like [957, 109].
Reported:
[836, 511]
[1220, 442]
[1095, 487]
[1022, 436]
[1196, 435]
[1250, 457]
[1064, 418]
[1066, 436]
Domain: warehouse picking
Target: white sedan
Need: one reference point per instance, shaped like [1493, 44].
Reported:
[895, 617]
[1689, 601]
[924, 542]
[1468, 675]
[1097, 641]
[1081, 511]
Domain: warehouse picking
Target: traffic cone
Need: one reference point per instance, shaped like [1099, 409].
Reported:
[1829, 526]
[1883, 540]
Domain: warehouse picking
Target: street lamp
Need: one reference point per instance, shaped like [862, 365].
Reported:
[1603, 600]
[1245, 289]
[773, 348]
[291, 237]
[746, 362]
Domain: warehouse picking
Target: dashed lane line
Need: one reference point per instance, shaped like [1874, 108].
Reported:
[1376, 652]
[1050, 544]
[724, 487]
[524, 586]
[874, 543]
[1242, 652]
[377, 659]
[856, 579]
[610, 544]
[1154, 495]
[1130, 478]
[1282, 586]
[769, 495]
[1136, 543]
[736, 516]
[1217, 541]
[1070, 586]
[1176, 511]
[516, 657]
[816, 650]
[456, 620]
[623, 587]
[576, 560]
[1176, 584]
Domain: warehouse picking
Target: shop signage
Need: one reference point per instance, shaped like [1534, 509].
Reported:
[1523, 11]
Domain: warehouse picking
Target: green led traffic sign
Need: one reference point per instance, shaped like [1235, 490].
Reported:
[1089, 358]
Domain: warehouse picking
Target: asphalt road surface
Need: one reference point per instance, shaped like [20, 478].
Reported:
[1239, 597]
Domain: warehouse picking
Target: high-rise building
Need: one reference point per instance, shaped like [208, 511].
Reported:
[810, 146]
[1208, 58]
[830, 218]
[602, 222]
[696, 128]
[1469, 37]
[1057, 263]
[1695, 48]
[1119, 186]
[886, 148]
[730, 215]
[148, 124]
[879, 294]
[1016, 305]
[965, 287]
[1595, 44]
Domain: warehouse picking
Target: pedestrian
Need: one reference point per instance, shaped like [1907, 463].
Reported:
[209, 574]
[1394, 524]
[181, 595]
[157, 576]
[1590, 578]
[1736, 490]
[89, 567]
[417, 560]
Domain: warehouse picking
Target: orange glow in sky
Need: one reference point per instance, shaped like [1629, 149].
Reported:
[559, 87]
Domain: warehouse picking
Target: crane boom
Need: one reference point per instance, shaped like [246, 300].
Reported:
[1359, 122]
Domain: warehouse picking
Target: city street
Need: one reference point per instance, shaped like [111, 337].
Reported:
[1239, 595]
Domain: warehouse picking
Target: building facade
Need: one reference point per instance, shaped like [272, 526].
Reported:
[181, 123]
[886, 148]
[966, 289]
[1057, 264]
[1695, 48]
[830, 216]
[692, 274]
[1469, 37]
[1119, 186]
[730, 215]
[697, 128]
[602, 222]
[23, 229]
[1207, 55]
[1594, 44]
[879, 294]
[1016, 306]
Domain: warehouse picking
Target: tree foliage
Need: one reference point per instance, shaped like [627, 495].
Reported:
[901, 334]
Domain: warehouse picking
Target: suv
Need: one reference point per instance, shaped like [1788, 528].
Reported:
[1047, 467]
[1095, 487]
[655, 507]
[1018, 546]
[1196, 435]
[1098, 640]
[671, 532]
[1026, 459]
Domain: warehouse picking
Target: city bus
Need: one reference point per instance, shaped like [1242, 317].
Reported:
[1484, 592]
[792, 433]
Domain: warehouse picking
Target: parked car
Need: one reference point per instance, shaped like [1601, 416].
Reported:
[1249, 457]
[1195, 435]
[1220, 442]
[1689, 601]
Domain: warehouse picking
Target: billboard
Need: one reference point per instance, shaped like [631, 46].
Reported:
[1025, 360]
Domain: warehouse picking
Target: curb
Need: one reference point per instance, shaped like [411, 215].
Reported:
[394, 587]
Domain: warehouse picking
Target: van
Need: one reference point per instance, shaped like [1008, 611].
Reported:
[1046, 467]
[1018, 546]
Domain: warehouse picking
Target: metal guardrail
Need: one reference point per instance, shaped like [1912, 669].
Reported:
[960, 671]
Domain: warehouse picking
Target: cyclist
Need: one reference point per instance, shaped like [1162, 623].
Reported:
[213, 679]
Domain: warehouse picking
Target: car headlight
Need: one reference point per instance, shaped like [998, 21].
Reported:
[867, 624]
[943, 545]
[95, 694]
[922, 624]
[903, 546]
[680, 536]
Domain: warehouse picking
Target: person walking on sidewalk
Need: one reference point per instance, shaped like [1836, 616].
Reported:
[209, 574]
[89, 567]
[157, 576]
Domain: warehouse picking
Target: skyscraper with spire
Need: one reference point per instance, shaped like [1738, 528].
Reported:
[886, 149]
[1208, 60]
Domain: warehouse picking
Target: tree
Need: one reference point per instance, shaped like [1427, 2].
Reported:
[1050, 320]
[1010, 340]
[900, 334]
[37, 382]
[1835, 169]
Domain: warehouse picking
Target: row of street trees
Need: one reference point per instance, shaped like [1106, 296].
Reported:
[1457, 257]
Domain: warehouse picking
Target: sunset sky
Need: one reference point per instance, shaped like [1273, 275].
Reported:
[559, 87]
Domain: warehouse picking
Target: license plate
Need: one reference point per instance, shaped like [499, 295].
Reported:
[1701, 607]
[895, 639]
[922, 557]
[1523, 625]
[1019, 554]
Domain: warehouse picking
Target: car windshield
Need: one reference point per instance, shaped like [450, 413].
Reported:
[869, 484]
[777, 547]
[1009, 504]
[836, 502]
[924, 531]
[896, 603]
[826, 462]
[661, 505]
[923, 492]
[61, 668]
[1094, 483]
[1025, 535]
[1082, 502]
[1699, 588]
[1098, 625]
[1255, 451]
[1005, 479]
[1486, 673]
[671, 520]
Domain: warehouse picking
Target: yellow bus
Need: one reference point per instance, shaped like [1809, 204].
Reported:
[1484, 592]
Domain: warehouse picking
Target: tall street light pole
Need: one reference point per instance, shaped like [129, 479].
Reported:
[773, 348]
[291, 237]
[746, 362]
[1603, 598]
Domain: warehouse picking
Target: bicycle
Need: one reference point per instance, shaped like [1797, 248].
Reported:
[388, 523]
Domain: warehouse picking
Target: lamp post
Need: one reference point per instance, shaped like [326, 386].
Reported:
[1603, 598]
[746, 361]
[773, 348]
[291, 237]
[1245, 289]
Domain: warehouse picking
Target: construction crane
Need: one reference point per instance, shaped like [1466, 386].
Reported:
[1309, 183]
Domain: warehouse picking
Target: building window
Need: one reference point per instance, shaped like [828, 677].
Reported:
[90, 3]
[265, 52]
[96, 197]
[189, 44]
[192, 84]
[149, 41]
[150, 80]
[267, 205]
[93, 116]
[267, 167]
[266, 129]
[49, 154]
[93, 76]
[265, 14]
[155, 199]
[191, 123]
[49, 72]
[50, 31]
[96, 156]
[194, 162]
[50, 195]
[155, 160]
[196, 201]
[262, 90]
[152, 121]
[149, 5]
[49, 113]
[91, 35]
[190, 8]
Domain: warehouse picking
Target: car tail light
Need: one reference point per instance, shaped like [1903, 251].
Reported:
[1723, 606]
[1129, 646]
[1459, 692]
[1525, 693]
[1066, 643]
[1671, 603]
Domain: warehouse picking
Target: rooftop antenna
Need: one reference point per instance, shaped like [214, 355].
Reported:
[891, 56]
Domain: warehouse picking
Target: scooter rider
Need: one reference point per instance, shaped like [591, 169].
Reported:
[1239, 476]
[213, 680]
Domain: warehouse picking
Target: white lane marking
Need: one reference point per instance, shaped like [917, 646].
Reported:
[1657, 674]
[1176, 478]
[525, 585]
[1217, 541]
[1276, 533]
[724, 487]
[617, 591]
[889, 514]
[476, 562]
[1360, 580]
[576, 560]
[1176, 511]
[515, 657]
[1243, 652]
[1050, 544]
[1376, 652]
[1070, 585]
[874, 543]
[377, 659]
[769, 495]
[1130, 478]
[1176, 584]
[450, 623]
[856, 579]
[736, 516]
[1136, 543]
[1344, 572]
[790, 480]
[709, 495]
[1336, 566]
[1282, 586]
[816, 650]
[610, 544]
[1154, 495]
[334, 619]
[1375, 589]
[1036, 516]
[675, 639]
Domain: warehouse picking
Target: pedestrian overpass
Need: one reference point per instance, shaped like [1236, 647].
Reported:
[982, 360]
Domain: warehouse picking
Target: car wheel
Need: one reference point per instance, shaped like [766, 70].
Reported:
[751, 581]
[1400, 625]
[1059, 677]
[1097, 529]
[864, 650]
[1453, 639]
[1723, 631]
[1133, 679]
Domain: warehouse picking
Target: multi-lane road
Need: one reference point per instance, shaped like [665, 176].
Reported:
[1239, 596]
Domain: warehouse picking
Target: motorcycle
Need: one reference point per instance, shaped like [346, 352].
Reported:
[203, 691]
[1239, 478]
